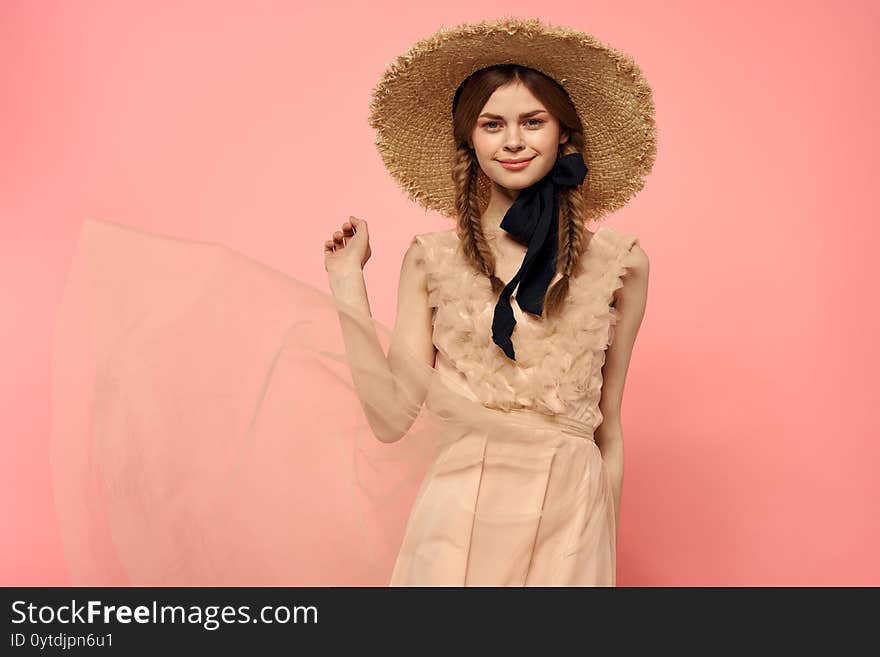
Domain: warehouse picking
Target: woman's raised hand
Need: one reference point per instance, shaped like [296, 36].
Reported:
[349, 249]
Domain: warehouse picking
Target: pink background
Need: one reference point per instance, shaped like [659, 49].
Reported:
[750, 413]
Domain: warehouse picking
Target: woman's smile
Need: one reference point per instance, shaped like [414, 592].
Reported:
[515, 166]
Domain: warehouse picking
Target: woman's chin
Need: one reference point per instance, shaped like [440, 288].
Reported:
[516, 184]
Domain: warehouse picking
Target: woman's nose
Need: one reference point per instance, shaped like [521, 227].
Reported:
[514, 142]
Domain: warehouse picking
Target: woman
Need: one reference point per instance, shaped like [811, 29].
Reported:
[499, 458]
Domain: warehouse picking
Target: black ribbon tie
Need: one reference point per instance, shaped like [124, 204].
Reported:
[534, 218]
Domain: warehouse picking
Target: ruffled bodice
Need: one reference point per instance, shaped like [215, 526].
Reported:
[558, 366]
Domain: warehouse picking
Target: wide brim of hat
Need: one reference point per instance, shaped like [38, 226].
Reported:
[411, 107]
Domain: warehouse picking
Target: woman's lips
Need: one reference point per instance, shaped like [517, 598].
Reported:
[515, 166]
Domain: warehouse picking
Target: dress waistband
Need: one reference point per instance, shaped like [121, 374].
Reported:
[563, 423]
[449, 404]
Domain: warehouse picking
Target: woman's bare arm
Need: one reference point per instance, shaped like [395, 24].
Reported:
[412, 336]
[630, 303]
[391, 388]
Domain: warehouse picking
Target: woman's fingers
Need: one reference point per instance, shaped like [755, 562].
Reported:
[338, 240]
[340, 236]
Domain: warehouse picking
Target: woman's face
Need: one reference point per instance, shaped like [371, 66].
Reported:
[515, 125]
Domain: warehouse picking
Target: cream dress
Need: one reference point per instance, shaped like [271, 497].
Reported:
[524, 503]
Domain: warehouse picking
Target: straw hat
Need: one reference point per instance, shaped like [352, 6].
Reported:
[411, 107]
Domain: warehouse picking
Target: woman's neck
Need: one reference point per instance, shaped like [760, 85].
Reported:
[499, 203]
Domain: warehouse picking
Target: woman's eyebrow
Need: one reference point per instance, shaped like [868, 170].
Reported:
[522, 116]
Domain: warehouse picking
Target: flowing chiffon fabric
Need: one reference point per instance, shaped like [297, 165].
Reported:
[208, 428]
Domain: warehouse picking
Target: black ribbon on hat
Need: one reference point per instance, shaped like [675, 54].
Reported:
[534, 217]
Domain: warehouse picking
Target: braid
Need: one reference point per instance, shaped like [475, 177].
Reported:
[572, 212]
[465, 170]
